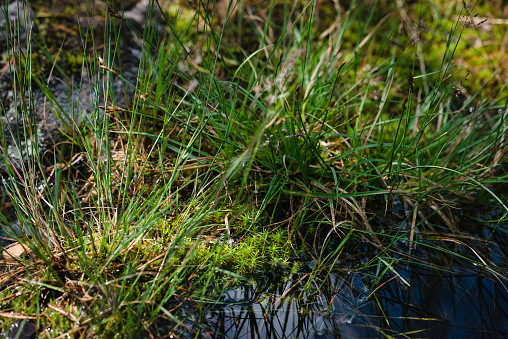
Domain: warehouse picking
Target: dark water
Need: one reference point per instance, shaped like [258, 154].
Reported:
[433, 306]
[456, 298]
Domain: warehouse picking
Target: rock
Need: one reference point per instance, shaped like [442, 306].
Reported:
[32, 131]
[73, 105]
[13, 252]
[138, 12]
[22, 329]
[16, 10]
[22, 141]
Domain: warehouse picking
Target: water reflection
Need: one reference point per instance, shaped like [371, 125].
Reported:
[453, 298]
[433, 306]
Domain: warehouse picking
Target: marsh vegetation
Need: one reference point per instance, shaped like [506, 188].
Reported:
[157, 156]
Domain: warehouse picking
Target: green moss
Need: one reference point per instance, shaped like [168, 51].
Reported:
[183, 18]
[75, 60]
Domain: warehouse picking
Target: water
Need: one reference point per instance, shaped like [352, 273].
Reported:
[455, 298]
[433, 306]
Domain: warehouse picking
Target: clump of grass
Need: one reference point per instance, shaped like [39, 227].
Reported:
[244, 145]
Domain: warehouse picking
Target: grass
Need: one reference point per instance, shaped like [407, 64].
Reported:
[246, 144]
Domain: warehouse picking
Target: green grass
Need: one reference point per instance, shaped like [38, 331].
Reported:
[249, 144]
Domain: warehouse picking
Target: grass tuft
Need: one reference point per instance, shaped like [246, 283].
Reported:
[219, 140]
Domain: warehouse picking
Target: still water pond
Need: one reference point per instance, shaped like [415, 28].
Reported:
[434, 306]
[455, 299]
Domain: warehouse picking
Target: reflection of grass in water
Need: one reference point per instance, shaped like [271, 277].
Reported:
[244, 146]
[347, 305]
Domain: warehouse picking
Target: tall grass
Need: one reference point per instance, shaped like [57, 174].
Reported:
[242, 140]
